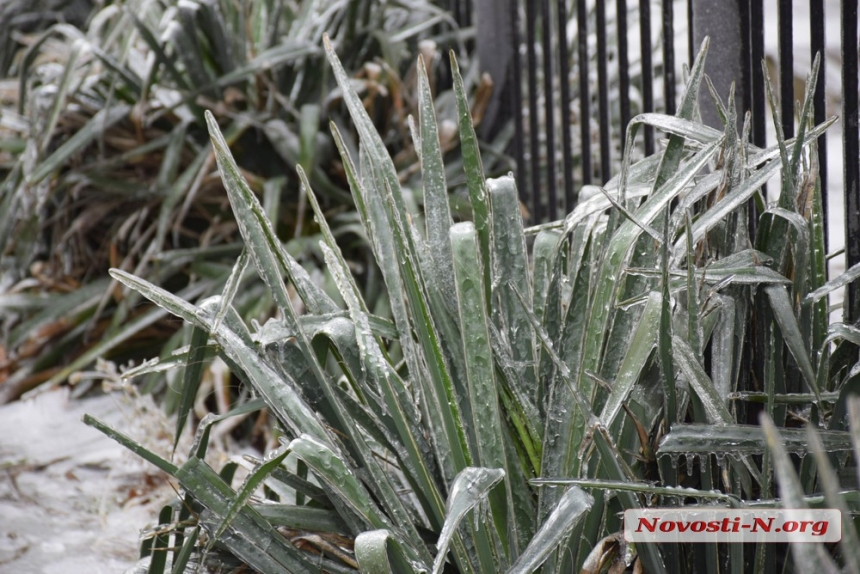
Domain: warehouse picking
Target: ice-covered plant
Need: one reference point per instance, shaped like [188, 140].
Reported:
[530, 384]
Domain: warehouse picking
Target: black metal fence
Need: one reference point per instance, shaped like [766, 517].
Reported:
[573, 73]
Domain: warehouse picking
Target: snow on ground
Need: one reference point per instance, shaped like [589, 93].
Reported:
[72, 500]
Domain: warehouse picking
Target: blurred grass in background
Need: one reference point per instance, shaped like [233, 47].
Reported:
[106, 161]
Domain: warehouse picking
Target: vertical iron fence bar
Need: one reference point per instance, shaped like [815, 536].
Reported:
[515, 88]
[584, 96]
[786, 68]
[564, 78]
[668, 57]
[758, 97]
[747, 66]
[647, 69]
[816, 33]
[623, 69]
[746, 59]
[603, 96]
[549, 103]
[691, 42]
[851, 149]
[537, 212]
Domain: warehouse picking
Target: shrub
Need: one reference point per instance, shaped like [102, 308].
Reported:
[605, 358]
[106, 162]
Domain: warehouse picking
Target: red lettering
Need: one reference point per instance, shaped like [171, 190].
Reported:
[649, 527]
[759, 523]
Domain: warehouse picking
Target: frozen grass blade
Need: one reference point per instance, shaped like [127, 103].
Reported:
[846, 277]
[132, 445]
[329, 467]
[384, 209]
[159, 546]
[301, 517]
[232, 286]
[743, 439]
[395, 396]
[97, 125]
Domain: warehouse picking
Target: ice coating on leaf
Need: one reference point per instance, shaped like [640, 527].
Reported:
[641, 344]
[704, 439]
[702, 385]
[471, 486]
[510, 267]
[555, 529]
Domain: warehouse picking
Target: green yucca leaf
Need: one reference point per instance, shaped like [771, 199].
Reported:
[743, 439]
[828, 480]
[131, 445]
[266, 249]
[686, 109]
[555, 529]
[785, 318]
[191, 379]
[384, 209]
[330, 468]
[250, 537]
[544, 251]
[665, 339]
[379, 551]
[232, 286]
[510, 269]
[469, 489]
[280, 394]
[704, 388]
[694, 328]
[478, 354]
[437, 211]
[180, 561]
[638, 487]
[641, 345]
[474, 175]
[200, 443]
[252, 481]
[841, 280]
[301, 517]
[741, 194]
[121, 335]
[811, 557]
[159, 545]
[395, 396]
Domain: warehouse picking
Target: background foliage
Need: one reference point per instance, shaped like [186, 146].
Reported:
[106, 161]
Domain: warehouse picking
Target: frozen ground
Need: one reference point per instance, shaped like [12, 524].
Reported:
[72, 500]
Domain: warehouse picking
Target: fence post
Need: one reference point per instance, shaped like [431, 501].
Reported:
[721, 21]
[493, 45]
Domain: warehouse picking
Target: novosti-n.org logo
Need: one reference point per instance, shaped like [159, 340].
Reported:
[732, 525]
